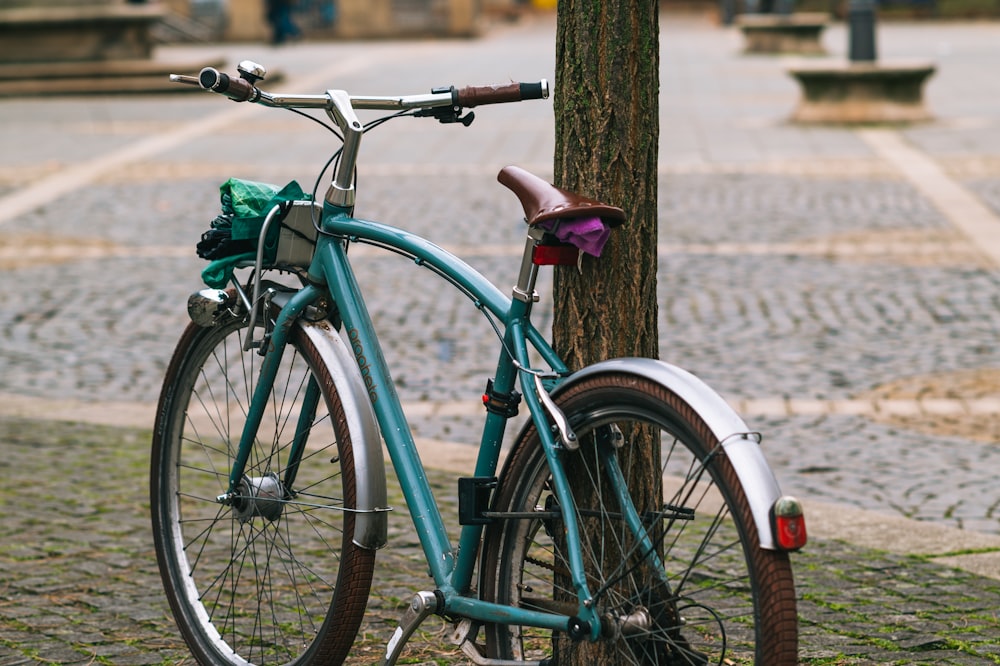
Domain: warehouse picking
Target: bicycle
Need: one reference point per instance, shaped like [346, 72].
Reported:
[268, 483]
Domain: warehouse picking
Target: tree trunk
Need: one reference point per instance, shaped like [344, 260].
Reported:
[607, 134]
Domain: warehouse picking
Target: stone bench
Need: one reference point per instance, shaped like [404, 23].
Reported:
[798, 33]
[57, 47]
[75, 33]
[861, 92]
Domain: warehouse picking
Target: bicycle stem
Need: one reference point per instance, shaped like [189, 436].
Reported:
[341, 191]
[340, 109]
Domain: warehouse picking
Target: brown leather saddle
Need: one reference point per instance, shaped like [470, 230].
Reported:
[543, 201]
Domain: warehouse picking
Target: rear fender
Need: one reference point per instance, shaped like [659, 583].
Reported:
[740, 444]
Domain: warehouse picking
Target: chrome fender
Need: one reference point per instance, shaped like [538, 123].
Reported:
[371, 521]
[739, 443]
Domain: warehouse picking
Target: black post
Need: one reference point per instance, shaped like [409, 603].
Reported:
[727, 11]
[861, 30]
[784, 7]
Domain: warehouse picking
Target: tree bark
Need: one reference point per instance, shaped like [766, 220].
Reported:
[607, 135]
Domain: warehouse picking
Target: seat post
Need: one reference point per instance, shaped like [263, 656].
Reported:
[524, 290]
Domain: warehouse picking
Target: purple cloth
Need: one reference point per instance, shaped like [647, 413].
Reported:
[589, 234]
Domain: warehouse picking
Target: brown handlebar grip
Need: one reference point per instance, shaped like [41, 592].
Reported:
[499, 94]
[237, 89]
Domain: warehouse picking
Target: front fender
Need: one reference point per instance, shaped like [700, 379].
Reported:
[371, 521]
[741, 446]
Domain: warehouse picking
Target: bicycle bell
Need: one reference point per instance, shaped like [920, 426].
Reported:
[251, 71]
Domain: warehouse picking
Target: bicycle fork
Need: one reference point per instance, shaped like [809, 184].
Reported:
[259, 491]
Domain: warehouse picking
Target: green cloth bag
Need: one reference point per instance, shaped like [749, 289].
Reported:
[247, 203]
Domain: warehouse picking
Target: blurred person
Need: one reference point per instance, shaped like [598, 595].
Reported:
[279, 15]
[327, 13]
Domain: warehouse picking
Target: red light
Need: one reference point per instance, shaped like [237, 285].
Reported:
[555, 255]
[789, 523]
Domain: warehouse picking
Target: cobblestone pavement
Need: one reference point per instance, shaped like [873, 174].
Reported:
[823, 290]
[79, 583]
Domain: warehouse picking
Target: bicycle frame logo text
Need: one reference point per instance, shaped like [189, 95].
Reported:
[366, 371]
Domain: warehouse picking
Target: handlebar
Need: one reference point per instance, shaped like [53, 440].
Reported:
[235, 88]
[242, 90]
[445, 104]
[500, 94]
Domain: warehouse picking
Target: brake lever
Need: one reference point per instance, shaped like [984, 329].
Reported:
[447, 115]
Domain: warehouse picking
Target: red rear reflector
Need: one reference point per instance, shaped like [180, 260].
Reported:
[555, 255]
[789, 523]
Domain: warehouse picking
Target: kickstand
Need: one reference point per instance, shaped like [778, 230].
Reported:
[422, 605]
[465, 637]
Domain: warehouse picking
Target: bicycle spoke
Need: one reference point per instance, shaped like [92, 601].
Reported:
[255, 569]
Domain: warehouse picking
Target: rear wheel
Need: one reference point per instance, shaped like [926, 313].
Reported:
[271, 574]
[720, 600]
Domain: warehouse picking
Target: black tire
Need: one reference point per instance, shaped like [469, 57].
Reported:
[736, 601]
[273, 576]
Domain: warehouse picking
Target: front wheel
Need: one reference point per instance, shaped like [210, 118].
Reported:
[268, 574]
[719, 599]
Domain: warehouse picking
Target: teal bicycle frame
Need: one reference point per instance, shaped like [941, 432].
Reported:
[452, 575]
[331, 286]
